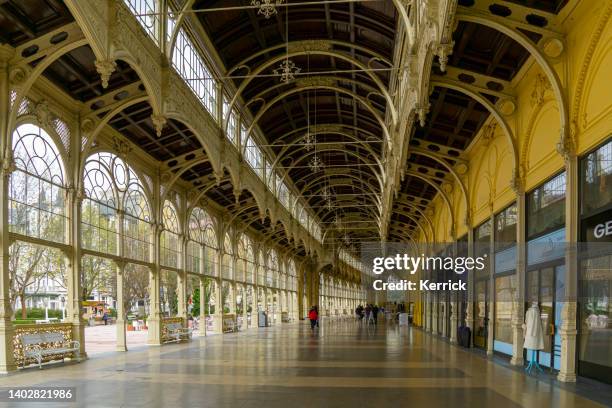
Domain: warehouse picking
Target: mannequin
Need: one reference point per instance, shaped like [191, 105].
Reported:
[534, 335]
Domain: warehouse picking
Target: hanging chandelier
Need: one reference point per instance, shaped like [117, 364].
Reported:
[309, 141]
[329, 205]
[347, 239]
[287, 71]
[267, 8]
[325, 193]
[315, 164]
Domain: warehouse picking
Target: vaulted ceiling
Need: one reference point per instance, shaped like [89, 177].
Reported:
[345, 55]
[340, 98]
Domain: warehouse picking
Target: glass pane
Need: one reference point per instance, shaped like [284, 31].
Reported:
[597, 179]
[596, 311]
[547, 282]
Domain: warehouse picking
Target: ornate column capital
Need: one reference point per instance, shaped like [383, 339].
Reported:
[443, 51]
[566, 147]
[105, 68]
[159, 121]
[517, 182]
[8, 166]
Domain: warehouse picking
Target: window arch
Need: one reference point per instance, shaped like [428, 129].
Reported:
[261, 269]
[250, 263]
[202, 243]
[190, 65]
[111, 185]
[228, 254]
[292, 278]
[147, 14]
[99, 208]
[37, 193]
[241, 262]
[272, 271]
[170, 239]
[137, 227]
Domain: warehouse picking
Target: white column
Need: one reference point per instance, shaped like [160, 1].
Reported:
[492, 297]
[154, 321]
[203, 303]
[518, 300]
[567, 329]
[181, 280]
[469, 311]
[218, 314]
[245, 315]
[73, 260]
[121, 313]
[7, 362]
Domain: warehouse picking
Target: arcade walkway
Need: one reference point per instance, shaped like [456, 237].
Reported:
[345, 365]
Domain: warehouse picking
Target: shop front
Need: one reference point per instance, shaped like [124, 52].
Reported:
[545, 280]
[482, 245]
[595, 274]
[462, 296]
[504, 279]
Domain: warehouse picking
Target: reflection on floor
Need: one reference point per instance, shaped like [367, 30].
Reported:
[340, 365]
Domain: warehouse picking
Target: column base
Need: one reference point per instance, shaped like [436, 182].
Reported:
[121, 348]
[489, 353]
[517, 361]
[154, 335]
[566, 377]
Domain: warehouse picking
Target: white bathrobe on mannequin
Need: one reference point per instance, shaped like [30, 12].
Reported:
[534, 335]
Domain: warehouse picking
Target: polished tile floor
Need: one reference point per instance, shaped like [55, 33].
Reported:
[340, 365]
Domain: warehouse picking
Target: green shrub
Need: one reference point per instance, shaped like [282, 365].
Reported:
[21, 321]
[38, 313]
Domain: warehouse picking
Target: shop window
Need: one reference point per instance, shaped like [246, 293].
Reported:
[505, 228]
[597, 180]
[546, 207]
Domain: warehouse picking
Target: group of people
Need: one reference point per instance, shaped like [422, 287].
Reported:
[370, 312]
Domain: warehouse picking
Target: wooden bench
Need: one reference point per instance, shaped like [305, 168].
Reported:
[175, 332]
[48, 344]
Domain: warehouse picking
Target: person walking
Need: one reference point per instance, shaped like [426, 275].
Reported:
[369, 316]
[105, 318]
[313, 316]
[375, 313]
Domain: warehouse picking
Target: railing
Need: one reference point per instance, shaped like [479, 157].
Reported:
[25, 329]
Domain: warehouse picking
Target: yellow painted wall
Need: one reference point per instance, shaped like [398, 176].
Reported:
[585, 70]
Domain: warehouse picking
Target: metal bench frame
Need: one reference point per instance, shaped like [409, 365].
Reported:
[176, 332]
[45, 344]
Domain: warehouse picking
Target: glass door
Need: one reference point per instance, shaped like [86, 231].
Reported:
[481, 314]
[546, 286]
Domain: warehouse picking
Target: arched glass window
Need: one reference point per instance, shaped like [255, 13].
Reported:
[170, 243]
[136, 223]
[147, 14]
[272, 269]
[261, 270]
[190, 65]
[201, 236]
[210, 249]
[242, 258]
[36, 190]
[111, 185]
[228, 253]
[99, 208]
[250, 264]
[292, 279]
[196, 239]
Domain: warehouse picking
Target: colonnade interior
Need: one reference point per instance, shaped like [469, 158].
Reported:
[232, 163]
